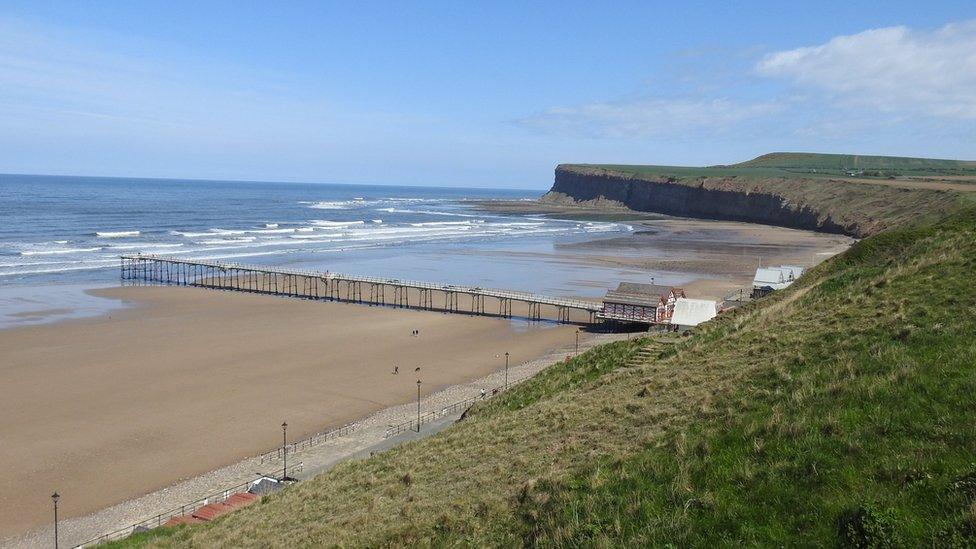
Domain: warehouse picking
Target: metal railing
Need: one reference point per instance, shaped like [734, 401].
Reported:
[488, 292]
[181, 511]
[453, 408]
[310, 441]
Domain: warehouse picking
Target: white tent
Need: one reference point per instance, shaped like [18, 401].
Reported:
[776, 278]
[692, 312]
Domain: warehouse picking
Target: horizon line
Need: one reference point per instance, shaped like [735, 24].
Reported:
[278, 182]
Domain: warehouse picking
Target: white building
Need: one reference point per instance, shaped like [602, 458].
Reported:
[692, 312]
[768, 279]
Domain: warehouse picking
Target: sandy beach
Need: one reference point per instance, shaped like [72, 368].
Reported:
[188, 380]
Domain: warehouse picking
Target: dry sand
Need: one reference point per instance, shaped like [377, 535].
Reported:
[189, 380]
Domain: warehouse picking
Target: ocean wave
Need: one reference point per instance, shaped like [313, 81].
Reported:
[323, 223]
[337, 204]
[191, 235]
[59, 251]
[62, 267]
[217, 241]
[147, 245]
[316, 236]
[430, 212]
[303, 237]
[446, 223]
[251, 231]
[116, 234]
[360, 201]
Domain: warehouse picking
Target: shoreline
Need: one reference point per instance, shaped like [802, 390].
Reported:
[706, 257]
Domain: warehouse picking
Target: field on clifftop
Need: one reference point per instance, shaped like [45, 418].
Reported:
[839, 411]
[868, 168]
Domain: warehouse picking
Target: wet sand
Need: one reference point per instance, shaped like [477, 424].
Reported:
[716, 257]
[108, 408]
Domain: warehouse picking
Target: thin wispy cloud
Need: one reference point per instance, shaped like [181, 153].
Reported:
[895, 70]
[910, 76]
[648, 117]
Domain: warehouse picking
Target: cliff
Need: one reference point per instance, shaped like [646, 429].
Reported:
[852, 207]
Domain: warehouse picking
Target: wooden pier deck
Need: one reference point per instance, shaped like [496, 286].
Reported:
[306, 284]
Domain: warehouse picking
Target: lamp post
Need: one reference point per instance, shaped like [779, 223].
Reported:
[418, 405]
[284, 450]
[506, 370]
[55, 497]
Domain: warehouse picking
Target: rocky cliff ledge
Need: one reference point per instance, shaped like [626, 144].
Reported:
[829, 205]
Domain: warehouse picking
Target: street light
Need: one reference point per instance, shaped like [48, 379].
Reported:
[284, 450]
[506, 370]
[55, 497]
[418, 405]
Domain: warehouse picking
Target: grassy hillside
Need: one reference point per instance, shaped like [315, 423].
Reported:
[813, 165]
[843, 163]
[839, 411]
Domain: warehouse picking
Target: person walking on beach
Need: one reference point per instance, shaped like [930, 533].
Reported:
[396, 370]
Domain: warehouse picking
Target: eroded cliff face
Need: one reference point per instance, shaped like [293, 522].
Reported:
[824, 205]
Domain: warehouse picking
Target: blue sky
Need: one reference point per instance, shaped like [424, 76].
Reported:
[492, 94]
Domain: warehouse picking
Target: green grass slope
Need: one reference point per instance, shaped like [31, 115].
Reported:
[814, 165]
[837, 412]
[842, 163]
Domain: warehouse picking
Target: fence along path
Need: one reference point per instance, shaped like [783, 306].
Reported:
[154, 269]
[308, 442]
[453, 408]
[183, 510]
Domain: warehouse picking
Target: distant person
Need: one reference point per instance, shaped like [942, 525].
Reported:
[483, 394]
[396, 370]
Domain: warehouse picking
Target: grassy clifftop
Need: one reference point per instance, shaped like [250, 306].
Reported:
[839, 411]
[839, 164]
[813, 165]
[798, 190]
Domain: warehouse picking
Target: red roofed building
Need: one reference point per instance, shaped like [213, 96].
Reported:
[635, 302]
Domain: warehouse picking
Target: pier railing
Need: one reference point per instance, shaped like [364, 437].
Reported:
[303, 283]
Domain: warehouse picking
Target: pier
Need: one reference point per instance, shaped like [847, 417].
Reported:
[376, 291]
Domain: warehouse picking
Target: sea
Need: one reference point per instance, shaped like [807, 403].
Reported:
[60, 236]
